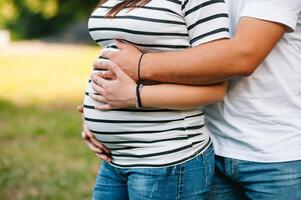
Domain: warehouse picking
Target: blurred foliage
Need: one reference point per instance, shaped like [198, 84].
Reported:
[34, 18]
[42, 156]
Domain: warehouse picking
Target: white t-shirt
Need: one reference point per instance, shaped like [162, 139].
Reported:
[260, 117]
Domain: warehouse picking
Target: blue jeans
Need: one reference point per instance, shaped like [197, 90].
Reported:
[240, 180]
[188, 181]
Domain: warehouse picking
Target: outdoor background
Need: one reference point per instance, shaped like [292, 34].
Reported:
[43, 72]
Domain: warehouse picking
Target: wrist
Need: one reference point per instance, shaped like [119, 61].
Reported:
[131, 101]
[145, 73]
[139, 79]
[138, 95]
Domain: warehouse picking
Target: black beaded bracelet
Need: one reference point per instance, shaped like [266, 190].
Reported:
[138, 96]
[139, 67]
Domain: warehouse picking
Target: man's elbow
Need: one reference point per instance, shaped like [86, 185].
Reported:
[247, 69]
[249, 60]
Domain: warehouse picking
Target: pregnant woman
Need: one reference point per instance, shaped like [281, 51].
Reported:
[160, 147]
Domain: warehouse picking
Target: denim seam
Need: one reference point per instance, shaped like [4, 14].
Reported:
[227, 166]
[181, 182]
[206, 170]
[235, 168]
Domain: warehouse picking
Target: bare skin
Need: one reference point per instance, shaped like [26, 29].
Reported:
[121, 93]
[203, 65]
[94, 145]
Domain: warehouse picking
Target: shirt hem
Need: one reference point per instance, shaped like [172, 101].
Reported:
[196, 154]
[270, 15]
[249, 156]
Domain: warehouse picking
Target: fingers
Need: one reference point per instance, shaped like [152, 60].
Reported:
[115, 69]
[98, 89]
[98, 144]
[108, 54]
[104, 157]
[105, 107]
[92, 147]
[98, 98]
[92, 141]
[89, 143]
[98, 80]
[86, 134]
[109, 75]
[98, 152]
[108, 65]
[80, 108]
[102, 64]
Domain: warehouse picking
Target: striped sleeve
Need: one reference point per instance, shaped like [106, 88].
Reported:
[206, 20]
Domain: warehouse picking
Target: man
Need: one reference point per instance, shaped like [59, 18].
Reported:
[256, 130]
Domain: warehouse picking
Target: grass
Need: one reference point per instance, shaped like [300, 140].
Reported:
[41, 153]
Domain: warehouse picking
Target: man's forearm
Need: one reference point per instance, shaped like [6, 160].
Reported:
[216, 61]
[206, 64]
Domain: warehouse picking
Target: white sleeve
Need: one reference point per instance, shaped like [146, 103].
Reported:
[206, 20]
[281, 11]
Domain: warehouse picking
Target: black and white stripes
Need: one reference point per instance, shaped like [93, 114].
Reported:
[154, 137]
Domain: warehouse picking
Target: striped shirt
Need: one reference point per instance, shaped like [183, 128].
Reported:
[154, 137]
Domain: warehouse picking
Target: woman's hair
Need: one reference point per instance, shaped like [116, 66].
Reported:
[124, 4]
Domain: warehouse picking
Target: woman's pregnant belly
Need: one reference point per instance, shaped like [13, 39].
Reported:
[129, 125]
[156, 136]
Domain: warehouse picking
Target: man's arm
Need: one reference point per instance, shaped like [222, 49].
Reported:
[219, 60]
[208, 63]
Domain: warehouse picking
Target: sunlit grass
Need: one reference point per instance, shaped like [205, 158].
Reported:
[54, 73]
[41, 153]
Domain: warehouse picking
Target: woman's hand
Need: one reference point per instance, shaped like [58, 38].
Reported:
[114, 93]
[94, 145]
[126, 58]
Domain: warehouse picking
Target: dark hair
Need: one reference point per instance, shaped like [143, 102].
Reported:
[124, 4]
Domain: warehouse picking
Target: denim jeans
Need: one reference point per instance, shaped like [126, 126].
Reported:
[188, 181]
[240, 180]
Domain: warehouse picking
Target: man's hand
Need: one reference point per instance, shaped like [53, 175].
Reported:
[126, 58]
[94, 145]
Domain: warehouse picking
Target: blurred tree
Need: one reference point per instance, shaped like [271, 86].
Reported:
[34, 18]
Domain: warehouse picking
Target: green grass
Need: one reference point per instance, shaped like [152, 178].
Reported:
[41, 153]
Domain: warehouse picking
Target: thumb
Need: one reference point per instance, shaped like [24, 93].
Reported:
[107, 54]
